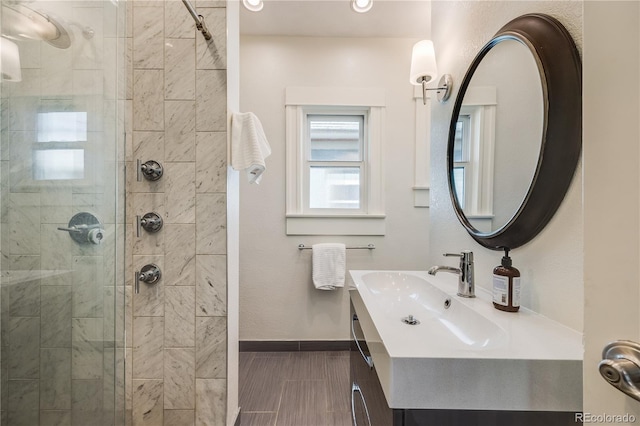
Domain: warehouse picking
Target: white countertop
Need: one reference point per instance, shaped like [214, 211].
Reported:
[469, 356]
[527, 335]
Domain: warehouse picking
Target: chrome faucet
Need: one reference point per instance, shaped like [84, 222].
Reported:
[466, 284]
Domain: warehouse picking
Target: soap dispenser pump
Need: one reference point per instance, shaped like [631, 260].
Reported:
[506, 285]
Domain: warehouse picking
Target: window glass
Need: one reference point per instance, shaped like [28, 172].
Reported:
[334, 187]
[335, 138]
[62, 126]
[58, 164]
[458, 179]
[461, 141]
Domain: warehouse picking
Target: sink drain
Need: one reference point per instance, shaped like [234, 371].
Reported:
[410, 320]
[447, 303]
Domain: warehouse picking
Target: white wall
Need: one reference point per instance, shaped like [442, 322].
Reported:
[611, 193]
[551, 265]
[277, 299]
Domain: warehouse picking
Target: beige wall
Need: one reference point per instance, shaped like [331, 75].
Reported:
[277, 298]
[178, 332]
[551, 265]
[611, 196]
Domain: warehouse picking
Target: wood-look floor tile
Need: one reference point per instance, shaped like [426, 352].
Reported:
[278, 354]
[319, 395]
[257, 419]
[262, 384]
[338, 388]
[344, 354]
[308, 366]
[303, 403]
[342, 418]
[244, 361]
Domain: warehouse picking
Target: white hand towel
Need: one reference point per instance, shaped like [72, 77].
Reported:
[249, 145]
[328, 261]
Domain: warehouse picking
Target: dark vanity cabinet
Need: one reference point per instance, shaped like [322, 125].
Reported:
[370, 408]
[368, 404]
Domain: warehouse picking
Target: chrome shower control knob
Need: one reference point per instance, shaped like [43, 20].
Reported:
[151, 222]
[150, 170]
[95, 236]
[149, 274]
[84, 228]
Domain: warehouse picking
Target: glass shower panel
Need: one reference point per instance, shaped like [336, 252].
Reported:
[62, 213]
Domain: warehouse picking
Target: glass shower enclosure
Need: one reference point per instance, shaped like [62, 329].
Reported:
[62, 212]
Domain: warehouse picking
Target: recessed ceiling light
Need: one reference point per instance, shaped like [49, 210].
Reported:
[253, 5]
[361, 6]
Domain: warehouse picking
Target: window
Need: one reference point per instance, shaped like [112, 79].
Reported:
[473, 155]
[334, 164]
[462, 166]
[62, 126]
[58, 164]
[59, 152]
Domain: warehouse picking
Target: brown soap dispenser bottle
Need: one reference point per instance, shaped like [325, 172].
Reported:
[506, 285]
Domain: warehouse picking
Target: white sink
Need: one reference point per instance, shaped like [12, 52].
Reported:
[451, 322]
[467, 356]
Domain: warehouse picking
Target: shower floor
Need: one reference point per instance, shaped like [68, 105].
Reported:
[295, 389]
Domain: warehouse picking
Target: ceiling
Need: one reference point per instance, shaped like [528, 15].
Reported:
[334, 18]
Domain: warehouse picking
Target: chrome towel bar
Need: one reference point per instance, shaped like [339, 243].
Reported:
[367, 247]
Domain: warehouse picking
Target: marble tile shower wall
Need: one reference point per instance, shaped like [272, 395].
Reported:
[57, 315]
[178, 115]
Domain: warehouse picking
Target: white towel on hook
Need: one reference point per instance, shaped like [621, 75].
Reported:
[328, 262]
[249, 145]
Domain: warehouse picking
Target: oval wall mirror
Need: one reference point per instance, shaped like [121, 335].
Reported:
[516, 132]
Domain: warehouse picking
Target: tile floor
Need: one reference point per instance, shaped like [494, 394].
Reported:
[295, 389]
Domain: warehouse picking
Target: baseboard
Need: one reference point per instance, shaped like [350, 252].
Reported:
[293, 345]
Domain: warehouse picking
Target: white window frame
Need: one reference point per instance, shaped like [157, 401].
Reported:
[370, 218]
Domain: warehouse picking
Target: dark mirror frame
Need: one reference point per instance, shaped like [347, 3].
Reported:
[560, 70]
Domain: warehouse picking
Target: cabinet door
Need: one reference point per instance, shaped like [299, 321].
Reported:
[368, 403]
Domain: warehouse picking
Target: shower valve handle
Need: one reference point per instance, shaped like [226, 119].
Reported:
[84, 228]
[151, 222]
[149, 274]
[150, 170]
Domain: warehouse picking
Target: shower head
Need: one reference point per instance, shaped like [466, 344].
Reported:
[22, 22]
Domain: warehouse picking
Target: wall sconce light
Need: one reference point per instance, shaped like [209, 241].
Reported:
[361, 6]
[425, 70]
[10, 60]
[253, 5]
